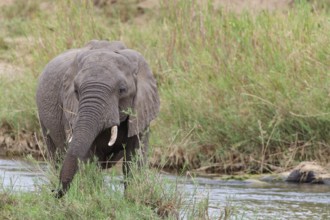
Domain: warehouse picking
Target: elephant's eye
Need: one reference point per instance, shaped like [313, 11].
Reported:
[122, 90]
[76, 94]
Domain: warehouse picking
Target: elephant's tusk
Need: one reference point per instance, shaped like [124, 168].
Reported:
[113, 138]
[70, 139]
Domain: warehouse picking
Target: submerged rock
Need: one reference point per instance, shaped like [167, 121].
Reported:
[309, 172]
[276, 177]
[256, 183]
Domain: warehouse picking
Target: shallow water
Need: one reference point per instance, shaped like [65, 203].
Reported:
[247, 200]
[264, 201]
[18, 175]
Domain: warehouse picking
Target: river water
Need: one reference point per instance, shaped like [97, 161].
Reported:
[248, 200]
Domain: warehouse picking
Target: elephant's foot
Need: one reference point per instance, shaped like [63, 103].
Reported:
[58, 193]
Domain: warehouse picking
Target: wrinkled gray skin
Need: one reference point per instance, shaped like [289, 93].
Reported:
[83, 93]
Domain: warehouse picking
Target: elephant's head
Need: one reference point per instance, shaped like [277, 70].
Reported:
[102, 88]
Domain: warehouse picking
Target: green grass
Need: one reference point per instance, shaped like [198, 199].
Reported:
[250, 89]
[19, 97]
[245, 88]
[96, 195]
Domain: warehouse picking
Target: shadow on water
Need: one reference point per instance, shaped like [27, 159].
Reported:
[248, 199]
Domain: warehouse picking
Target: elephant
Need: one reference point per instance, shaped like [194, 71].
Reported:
[96, 101]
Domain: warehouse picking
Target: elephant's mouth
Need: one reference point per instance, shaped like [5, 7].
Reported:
[113, 136]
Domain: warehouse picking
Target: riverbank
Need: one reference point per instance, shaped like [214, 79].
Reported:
[244, 91]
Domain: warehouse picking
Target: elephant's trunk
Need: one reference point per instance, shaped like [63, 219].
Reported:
[96, 112]
[83, 136]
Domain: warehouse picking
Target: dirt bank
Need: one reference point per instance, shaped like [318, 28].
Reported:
[23, 143]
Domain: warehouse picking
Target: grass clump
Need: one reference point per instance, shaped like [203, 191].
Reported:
[21, 9]
[96, 195]
[163, 197]
[18, 98]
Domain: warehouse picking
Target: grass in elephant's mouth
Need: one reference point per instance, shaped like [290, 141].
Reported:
[94, 195]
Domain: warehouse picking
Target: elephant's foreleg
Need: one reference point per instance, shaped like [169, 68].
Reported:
[112, 160]
[143, 147]
[136, 151]
[54, 138]
[51, 147]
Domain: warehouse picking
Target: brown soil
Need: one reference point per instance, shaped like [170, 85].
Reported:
[6, 2]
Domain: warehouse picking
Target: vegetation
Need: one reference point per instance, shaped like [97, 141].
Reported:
[238, 91]
[94, 197]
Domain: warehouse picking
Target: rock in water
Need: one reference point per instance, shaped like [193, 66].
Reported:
[309, 172]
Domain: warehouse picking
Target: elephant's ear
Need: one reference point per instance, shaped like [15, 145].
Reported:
[70, 102]
[146, 102]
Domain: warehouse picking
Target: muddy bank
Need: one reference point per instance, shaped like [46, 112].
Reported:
[20, 144]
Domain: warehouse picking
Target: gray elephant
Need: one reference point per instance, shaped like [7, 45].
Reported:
[96, 101]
